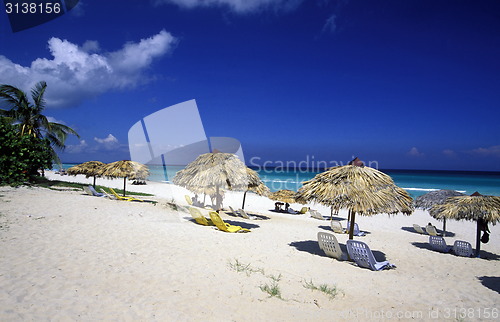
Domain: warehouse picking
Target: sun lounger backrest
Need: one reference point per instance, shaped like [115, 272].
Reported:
[361, 254]
[217, 220]
[438, 243]
[316, 214]
[337, 227]
[87, 190]
[95, 193]
[418, 229]
[303, 210]
[198, 217]
[243, 214]
[356, 232]
[188, 200]
[431, 230]
[462, 248]
[329, 244]
[107, 194]
[232, 211]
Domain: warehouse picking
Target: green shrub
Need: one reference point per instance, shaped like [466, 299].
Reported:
[21, 156]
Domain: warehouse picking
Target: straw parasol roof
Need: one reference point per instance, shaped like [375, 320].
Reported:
[483, 209]
[437, 197]
[216, 171]
[125, 169]
[285, 195]
[359, 189]
[89, 169]
[256, 186]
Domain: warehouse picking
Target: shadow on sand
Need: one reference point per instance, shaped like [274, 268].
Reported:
[411, 230]
[491, 282]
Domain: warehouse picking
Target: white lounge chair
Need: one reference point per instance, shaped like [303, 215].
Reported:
[462, 248]
[363, 256]
[234, 213]
[329, 244]
[419, 229]
[108, 195]
[431, 230]
[245, 215]
[356, 232]
[316, 214]
[438, 243]
[337, 227]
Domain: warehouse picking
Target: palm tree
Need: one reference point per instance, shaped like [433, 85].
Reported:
[27, 116]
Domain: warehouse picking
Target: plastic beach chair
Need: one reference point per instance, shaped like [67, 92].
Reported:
[316, 214]
[123, 198]
[462, 248]
[363, 256]
[431, 230]
[108, 195]
[87, 191]
[304, 210]
[95, 193]
[329, 244]
[419, 229]
[188, 200]
[438, 243]
[245, 215]
[337, 227]
[356, 232]
[199, 218]
[219, 223]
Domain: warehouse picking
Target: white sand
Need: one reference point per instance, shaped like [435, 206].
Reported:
[68, 256]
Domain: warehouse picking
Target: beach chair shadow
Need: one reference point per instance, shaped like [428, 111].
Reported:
[242, 224]
[491, 282]
[308, 246]
[422, 245]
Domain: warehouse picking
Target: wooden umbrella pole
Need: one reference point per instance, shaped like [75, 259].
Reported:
[478, 238]
[94, 182]
[124, 184]
[444, 227]
[351, 227]
[244, 197]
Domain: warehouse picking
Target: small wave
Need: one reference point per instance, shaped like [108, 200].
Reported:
[284, 181]
[428, 189]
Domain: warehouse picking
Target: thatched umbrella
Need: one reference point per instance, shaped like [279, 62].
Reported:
[256, 185]
[125, 169]
[89, 169]
[359, 189]
[437, 197]
[483, 209]
[284, 195]
[215, 171]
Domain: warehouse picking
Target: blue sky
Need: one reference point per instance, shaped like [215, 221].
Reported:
[411, 84]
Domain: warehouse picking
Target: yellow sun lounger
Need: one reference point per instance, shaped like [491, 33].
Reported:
[219, 223]
[123, 198]
[199, 218]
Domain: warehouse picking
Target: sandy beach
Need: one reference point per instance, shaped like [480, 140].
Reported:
[69, 256]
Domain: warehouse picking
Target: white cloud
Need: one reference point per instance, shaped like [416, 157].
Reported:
[108, 143]
[75, 74]
[414, 152]
[239, 6]
[77, 148]
[449, 153]
[107, 140]
[330, 24]
[490, 151]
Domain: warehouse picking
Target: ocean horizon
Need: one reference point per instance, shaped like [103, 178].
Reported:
[415, 182]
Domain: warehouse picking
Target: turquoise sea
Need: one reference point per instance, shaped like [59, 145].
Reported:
[416, 182]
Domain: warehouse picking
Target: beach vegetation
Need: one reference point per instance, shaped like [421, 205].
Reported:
[331, 291]
[272, 289]
[21, 156]
[27, 118]
[245, 268]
